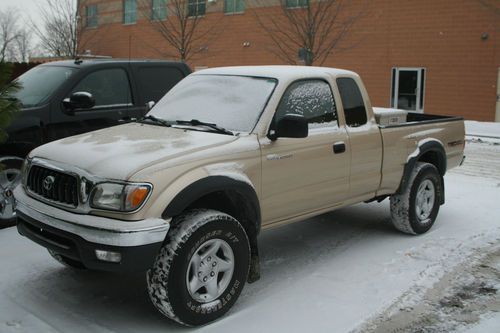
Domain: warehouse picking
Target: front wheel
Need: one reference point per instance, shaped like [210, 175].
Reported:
[201, 268]
[415, 210]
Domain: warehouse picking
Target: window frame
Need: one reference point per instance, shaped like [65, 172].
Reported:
[107, 106]
[287, 6]
[234, 6]
[273, 121]
[162, 6]
[89, 18]
[421, 85]
[125, 12]
[196, 4]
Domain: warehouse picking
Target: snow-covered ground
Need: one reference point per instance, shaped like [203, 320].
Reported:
[333, 273]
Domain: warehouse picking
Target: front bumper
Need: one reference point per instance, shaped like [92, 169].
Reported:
[78, 236]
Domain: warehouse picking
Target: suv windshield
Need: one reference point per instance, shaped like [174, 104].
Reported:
[39, 83]
[231, 102]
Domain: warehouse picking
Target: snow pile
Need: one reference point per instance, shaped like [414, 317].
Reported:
[482, 131]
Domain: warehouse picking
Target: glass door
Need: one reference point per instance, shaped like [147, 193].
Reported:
[408, 87]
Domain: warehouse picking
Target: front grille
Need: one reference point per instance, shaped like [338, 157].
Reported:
[53, 185]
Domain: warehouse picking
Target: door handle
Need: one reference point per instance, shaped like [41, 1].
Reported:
[339, 147]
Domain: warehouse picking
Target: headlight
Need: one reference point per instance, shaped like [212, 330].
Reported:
[119, 197]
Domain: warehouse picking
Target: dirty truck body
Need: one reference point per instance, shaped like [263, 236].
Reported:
[186, 200]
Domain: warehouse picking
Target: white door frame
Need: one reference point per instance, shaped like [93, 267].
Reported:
[497, 112]
[418, 107]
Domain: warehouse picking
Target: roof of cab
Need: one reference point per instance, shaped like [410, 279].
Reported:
[277, 71]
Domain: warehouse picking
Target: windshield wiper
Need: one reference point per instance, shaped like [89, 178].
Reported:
[156, 120]
[196, 122]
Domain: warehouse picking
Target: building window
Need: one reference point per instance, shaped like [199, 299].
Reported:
[158, 9]
[91, 12]
[129, 11]
[196, 7]
[297, 3]
[234, 6]
[408, 88]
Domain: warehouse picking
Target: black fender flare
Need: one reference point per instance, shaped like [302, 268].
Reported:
[429, 146]
[212, 184]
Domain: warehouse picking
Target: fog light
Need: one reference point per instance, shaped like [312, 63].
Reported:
[108, 256]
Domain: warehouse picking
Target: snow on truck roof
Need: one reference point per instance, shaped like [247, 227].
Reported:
[277, 71]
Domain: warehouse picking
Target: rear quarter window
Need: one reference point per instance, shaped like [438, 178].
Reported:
[156, 81]
[352, 100]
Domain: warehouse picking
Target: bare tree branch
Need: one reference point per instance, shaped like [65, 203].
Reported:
[60, 29]
[9, 32]
[15, 38]
[186, 33]
[317, 29]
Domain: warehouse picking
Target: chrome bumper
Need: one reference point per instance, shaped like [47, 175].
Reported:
[94, 229]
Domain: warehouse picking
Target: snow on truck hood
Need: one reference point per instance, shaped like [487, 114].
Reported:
[119, 152]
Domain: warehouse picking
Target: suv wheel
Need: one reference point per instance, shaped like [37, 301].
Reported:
[10, 171]
[201, 268]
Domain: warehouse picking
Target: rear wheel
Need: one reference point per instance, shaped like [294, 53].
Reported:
[201, 268]
[415, 210]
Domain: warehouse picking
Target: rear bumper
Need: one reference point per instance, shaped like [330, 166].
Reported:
[78, 236]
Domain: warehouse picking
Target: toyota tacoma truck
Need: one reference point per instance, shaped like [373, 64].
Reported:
[184, 192]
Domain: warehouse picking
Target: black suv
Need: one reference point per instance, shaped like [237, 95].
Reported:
[65, 98]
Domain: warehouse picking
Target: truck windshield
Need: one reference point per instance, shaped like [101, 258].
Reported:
[39, 83]
[232, 102]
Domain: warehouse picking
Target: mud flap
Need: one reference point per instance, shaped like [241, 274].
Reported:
[254, 272]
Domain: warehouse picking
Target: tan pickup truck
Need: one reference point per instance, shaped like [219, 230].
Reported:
[184, 192]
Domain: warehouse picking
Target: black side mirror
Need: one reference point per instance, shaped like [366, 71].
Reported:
[79, 100]
[290, 126]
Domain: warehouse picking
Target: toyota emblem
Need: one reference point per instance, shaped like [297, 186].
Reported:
[48, 182]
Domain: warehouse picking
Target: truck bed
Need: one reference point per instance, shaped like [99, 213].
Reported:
[402, 141]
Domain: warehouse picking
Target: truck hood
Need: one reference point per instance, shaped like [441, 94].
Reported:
[119, 152]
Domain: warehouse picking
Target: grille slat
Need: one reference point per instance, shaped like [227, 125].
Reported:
[64, 186]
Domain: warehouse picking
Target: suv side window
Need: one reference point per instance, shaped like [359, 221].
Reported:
[312, 99]
[108, 86]
[154, 82]
[352, 100]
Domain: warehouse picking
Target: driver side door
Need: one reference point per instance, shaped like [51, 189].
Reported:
[303, 175]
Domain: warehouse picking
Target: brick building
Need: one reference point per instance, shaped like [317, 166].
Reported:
[434, 56]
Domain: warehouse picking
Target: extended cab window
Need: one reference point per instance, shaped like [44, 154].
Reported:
[352, 100]
[108, 86]
[312, 99]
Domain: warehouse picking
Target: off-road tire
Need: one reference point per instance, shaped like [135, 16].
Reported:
[403, 205]
[167, 286]
[65, 261]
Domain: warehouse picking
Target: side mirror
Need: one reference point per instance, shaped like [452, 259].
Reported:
[79, 100]
[290, 126]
